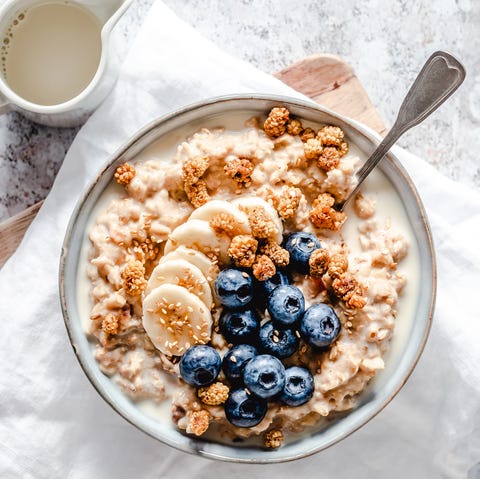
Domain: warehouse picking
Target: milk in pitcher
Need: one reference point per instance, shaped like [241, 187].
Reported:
[51, 52]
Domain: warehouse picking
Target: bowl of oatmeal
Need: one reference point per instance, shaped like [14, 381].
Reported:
[218, 301]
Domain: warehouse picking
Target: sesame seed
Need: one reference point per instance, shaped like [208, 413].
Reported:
[275, 339]
[245, 275]
[297, 334]
[233, 359]
[247, 391]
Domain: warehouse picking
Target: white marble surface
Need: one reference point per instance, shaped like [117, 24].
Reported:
[385, 41]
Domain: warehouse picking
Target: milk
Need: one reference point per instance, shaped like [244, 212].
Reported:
[51, 52]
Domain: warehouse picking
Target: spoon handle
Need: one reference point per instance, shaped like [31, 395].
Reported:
[441, 75]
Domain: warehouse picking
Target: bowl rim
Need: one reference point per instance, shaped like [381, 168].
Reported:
[364, 131]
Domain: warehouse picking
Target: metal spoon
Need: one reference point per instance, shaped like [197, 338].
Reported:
[441, 75]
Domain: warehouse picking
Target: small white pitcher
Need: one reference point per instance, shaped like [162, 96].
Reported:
[76, 110]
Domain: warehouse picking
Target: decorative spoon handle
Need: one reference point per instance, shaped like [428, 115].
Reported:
[441, 75]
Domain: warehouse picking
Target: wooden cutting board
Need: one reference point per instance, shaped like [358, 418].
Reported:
[327, 79]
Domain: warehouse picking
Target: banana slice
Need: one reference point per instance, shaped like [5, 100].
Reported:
[199, 235]
[203, 263]
[214, 207]
[182, 273]
[246, 203]
[176, 319]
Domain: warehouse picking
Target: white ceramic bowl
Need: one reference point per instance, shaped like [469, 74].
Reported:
[407, 346]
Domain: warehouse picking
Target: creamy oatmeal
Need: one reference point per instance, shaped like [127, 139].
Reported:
[227, 199]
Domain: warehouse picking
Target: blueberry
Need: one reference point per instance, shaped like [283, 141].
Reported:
[243, 409]
[236, 359]
[234, 288]
[200, 365]
[262, 289]
[299, 386]
[320, 325]
[301, 246]
[239, 326]
[286, 305]
[281, 343]
[264, 376]
[277, 279]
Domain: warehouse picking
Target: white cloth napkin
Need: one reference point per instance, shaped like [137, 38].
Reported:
[54, 425]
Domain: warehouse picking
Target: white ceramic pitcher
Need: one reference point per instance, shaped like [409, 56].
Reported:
[76, 110]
